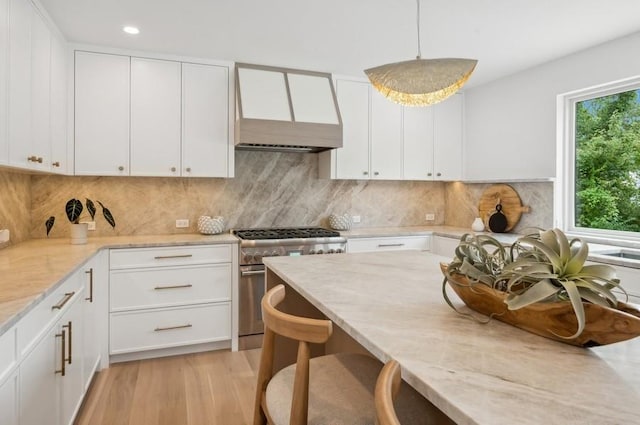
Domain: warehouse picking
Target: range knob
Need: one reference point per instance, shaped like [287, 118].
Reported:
[274, 253]
[257, 258]
[339, 251]
[312, 251]
[332, 251]
[247, 258]
[320, 251]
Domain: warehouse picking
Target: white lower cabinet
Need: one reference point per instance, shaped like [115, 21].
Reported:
[9, 399]
[50, 384]
[94, 276]
[389, 243]
[169, 297]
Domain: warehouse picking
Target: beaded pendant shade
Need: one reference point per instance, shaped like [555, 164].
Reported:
[421, 82]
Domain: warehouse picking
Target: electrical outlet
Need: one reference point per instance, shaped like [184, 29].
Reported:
[430, 217]
[355, 219]
[91, 225]
[182, 223]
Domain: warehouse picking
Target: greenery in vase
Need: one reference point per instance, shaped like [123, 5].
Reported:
[541, 267]
[74, 208]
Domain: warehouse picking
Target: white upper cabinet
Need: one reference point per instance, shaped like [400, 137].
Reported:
[4, 76]
[101, 114]
[155, 117]
[418, 143]
[20, 134]
[386, 139]
[205, 120]
[448, 133]
[58, 116]
[40, 92]
[352, 160]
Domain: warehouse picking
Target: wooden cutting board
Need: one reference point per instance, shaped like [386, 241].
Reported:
[504, 194]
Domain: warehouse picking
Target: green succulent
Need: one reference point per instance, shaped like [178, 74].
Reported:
[541, 267]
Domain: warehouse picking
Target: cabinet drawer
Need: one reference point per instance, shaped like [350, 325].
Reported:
[168, 256]
[131, 289]
[170, 327]
[388, 243]
[37, 321]
[8, 352]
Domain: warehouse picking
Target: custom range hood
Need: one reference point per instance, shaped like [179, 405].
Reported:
[285, 110]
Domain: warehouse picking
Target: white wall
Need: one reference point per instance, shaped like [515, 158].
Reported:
[511, 122]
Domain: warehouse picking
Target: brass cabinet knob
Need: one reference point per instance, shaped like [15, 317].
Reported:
[32, 158]
[173, 169]
[438, 174]
[121, 168]
[188, 169]
[375, 173]
[39, 160]
[429, 174]
[366, 173]
[56, 164]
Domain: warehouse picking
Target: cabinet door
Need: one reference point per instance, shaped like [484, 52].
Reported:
[20, 139]
[94, 276]
[9, 400]
[447, 151]
[71, 385]
[386, 138]
[40, 92]
[155, 117]
[4, 77]
[101, 114]
[58, 107]
[352, 160]
[39, 395]
[417, 143]
[205, 120]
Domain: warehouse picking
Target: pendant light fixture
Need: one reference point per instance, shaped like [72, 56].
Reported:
[421, 82]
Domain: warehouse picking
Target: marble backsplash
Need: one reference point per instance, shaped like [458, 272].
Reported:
[270, 189]
[15, 204]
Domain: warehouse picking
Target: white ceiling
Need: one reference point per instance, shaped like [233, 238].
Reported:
[347, 36]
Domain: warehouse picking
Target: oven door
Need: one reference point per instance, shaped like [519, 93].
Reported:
[251, 290]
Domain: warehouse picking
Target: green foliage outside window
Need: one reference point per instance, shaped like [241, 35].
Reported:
[608, 162]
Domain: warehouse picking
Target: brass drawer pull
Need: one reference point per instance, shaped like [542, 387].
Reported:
[189, 325]
[61, 371]
[164, 257]
[69, 326]
[158, 288]
[90, 273]
[67, 297]
[385, 245]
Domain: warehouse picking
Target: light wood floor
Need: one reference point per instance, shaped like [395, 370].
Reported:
[212, 388]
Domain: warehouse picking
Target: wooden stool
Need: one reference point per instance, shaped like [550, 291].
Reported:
[335, 389]
[412, 408]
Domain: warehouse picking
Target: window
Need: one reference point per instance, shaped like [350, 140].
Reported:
[599, 162]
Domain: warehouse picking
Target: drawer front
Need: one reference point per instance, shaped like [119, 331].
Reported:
[36, 322]
[171, 327]
[168, 256]
[8, 352]
[134, 289]
[388, 243]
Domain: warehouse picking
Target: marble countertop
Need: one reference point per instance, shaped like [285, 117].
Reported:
[493, 374]
[31, 270]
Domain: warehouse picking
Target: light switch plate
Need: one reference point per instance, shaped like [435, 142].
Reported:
[182, 223]
[430, 217]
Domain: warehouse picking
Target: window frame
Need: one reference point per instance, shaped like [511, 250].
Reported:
[564, 198]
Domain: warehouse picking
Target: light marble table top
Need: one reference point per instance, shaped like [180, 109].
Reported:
[392, 304]
[33, 269]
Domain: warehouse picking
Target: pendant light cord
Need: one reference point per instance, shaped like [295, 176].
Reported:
[418, 25]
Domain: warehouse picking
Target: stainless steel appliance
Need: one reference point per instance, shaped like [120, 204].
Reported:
[256, 244]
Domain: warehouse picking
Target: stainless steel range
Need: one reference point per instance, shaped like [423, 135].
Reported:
[256, 244]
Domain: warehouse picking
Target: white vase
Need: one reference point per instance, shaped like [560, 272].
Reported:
[477, 225]
[79, 233]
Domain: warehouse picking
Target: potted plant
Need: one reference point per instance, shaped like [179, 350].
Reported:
[74, 209]
[541, 284]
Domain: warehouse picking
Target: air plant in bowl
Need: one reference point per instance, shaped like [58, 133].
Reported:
[542, 284]
[74, 209]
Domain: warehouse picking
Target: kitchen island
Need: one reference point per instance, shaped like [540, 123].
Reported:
[391, 304]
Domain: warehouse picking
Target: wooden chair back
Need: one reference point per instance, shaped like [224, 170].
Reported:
[302, 329]
[387, 387]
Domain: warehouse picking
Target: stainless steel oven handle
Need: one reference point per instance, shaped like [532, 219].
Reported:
[251, 272]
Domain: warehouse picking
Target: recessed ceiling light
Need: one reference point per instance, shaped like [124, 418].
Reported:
[131, 30]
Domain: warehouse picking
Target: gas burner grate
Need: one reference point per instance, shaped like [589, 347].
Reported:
[285, 233]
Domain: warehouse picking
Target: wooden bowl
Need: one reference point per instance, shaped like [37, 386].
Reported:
[603, 325]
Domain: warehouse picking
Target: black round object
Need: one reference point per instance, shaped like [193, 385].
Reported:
[498, 221]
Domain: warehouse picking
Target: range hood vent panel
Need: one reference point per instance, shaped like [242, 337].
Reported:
[285, 110]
